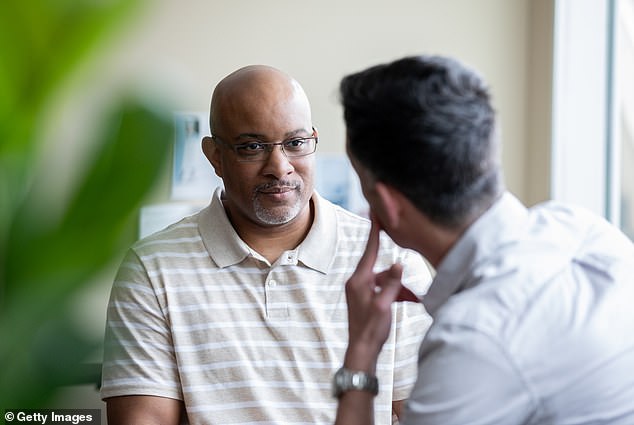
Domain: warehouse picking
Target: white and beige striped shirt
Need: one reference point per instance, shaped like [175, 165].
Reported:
[197, 315]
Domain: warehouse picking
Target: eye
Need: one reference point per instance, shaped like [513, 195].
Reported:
[252, 147]
[295, 144]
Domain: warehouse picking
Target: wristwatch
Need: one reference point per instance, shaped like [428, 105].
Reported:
[346, 380]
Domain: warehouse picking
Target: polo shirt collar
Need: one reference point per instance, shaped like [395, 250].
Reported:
[317, 250]
[497, 226]
[225, 247]
[220, 238]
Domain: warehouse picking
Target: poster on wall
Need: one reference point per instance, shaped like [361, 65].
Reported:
[336, 181]
[193, 177]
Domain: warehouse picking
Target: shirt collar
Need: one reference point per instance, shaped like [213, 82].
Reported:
[220, 238]
[225, 247]
[500, 224]
[317, 250]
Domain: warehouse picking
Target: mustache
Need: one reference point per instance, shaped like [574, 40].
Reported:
[282, 184]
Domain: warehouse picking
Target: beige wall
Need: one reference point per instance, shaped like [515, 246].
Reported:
[538, 120]
[186, 47]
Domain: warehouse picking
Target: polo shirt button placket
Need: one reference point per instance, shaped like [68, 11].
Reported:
[275, 305]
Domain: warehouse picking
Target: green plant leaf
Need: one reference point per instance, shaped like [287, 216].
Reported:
[47, 261]
[45, 258]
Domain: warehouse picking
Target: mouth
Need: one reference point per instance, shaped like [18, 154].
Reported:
[276, 188]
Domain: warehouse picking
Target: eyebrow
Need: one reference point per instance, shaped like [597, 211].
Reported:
[262, 137]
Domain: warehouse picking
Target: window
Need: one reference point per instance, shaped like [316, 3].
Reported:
[621, 134]
[593, 108]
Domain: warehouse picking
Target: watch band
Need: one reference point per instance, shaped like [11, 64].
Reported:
[346, 380]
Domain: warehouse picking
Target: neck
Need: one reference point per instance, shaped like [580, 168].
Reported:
[428, 238]
[437, 244]
[272, 241]
[438, 240]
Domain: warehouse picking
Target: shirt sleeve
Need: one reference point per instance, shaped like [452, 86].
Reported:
[464, 377]
[138, 350]
[411, 323]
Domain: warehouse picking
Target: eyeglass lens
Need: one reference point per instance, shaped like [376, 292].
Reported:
[256, 151]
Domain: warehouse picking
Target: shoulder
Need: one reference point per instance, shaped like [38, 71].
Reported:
[348, 229]
[179, 235]
[569, 221]
[587, 238]
[348, 220]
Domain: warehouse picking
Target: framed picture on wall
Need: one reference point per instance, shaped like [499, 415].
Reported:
[336, 181]
[193, 177]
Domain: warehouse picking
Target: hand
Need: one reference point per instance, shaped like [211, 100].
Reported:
[370, 296]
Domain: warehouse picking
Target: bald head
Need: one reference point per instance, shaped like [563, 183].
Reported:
[253, 94]
[260, 104]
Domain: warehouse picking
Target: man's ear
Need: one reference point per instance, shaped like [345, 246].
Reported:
[211, 151]
[390, 203]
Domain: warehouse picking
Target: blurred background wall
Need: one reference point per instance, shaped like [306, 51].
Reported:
[184, 48]
[179, 50]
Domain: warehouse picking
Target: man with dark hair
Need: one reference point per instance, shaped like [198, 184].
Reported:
[532, 308]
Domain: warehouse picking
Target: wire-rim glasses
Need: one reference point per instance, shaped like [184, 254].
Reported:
[257, 150]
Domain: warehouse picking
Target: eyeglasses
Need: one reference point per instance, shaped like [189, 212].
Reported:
[257, 150]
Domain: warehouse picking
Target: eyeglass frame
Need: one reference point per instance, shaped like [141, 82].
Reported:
[268, 147]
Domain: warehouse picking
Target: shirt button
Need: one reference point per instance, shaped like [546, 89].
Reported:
[272, 283]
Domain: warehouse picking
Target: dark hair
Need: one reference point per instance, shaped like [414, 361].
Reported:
[425, 125]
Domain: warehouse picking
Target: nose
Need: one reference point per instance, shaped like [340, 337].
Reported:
[277, 164]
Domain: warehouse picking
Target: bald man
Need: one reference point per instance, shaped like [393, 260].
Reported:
[238, 314]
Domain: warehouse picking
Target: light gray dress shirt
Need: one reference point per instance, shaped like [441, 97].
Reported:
[533, 323]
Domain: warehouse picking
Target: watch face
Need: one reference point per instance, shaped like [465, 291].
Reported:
[345, 380]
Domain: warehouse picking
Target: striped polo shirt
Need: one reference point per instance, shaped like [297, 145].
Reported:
[196, 315]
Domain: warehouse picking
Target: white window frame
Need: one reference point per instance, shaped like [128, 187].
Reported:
[581, 151]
